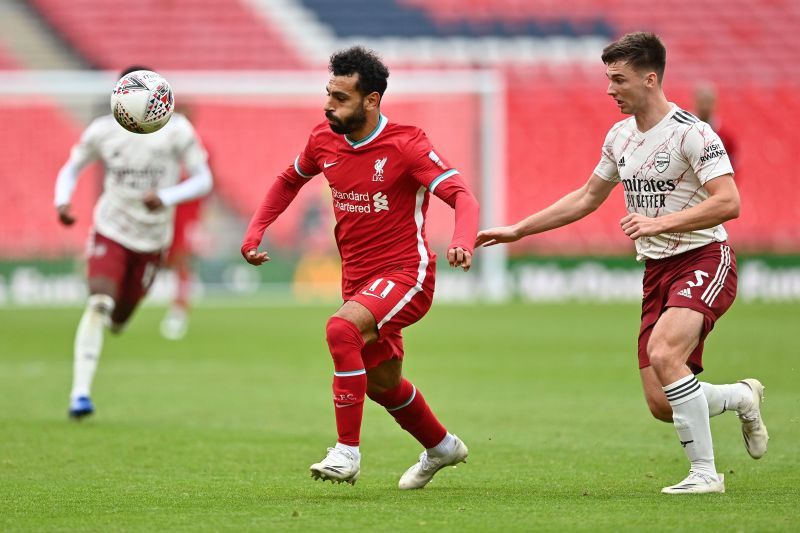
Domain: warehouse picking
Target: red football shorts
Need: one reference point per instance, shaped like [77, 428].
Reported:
[396, 301]
[132, 272]
[703, 279]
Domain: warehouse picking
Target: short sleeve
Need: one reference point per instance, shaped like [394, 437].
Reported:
[607, 167]
[705, 153]
[305, 164]
[86, 149]
[426, 165]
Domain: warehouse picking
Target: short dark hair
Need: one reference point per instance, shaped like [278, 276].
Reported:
[132, 68]
[641, 50]
[372, 73]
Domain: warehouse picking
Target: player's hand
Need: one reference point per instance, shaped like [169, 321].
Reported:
[459, 257]
[635, 225]
[152, 201]
[256, 258]
[64, 215]
[492, 236]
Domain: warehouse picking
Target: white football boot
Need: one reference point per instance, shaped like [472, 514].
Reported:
[338, 466]
[175, 324]
[697, 483]
[753, 429]
[421, 473]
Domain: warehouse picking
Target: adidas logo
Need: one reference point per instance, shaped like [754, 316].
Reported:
[685, 292]
[621, 163]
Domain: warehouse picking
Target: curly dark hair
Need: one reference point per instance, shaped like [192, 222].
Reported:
[372, 73]
[133, 68]
[641, 50]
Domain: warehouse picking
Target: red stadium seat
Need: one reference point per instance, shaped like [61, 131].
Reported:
[113, 34]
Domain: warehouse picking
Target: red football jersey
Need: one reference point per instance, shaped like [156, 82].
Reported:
[380, 189]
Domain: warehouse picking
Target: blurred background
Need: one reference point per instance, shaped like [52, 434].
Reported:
[512, 92]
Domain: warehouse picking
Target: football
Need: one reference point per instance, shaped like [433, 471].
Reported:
[142, 101]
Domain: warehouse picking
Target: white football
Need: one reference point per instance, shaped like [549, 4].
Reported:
[142, 101]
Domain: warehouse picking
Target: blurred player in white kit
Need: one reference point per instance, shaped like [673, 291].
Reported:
[133, 224]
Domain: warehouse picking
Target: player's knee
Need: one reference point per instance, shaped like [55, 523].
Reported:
[345, 343]
[339, 330]
[102, 304]
[662, 357]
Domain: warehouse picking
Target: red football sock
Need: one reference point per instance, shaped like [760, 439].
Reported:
[349, 378]
[184, 288]
[408, 407]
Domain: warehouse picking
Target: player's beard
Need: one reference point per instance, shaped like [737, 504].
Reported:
[349, 124]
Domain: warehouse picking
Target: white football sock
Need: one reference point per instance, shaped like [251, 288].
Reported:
[723, 398]
[444, 447]
[690, 417]
[89, 342]
[352, 449]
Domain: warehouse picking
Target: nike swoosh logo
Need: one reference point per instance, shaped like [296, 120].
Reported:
[365, 293]
[326, 164]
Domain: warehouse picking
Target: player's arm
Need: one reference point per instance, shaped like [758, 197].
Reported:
[443, 181]
[721, 205]
[82, 154]
[566, 210]
[280, 194]
[457, 195]
[195, 159]
[199, 183]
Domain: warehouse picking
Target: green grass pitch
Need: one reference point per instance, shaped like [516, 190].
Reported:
[216, 432]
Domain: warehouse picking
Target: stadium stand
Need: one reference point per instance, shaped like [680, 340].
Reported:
[7, 62]
[27, 170]
[558, 113]
[113, 34]
[448, 19]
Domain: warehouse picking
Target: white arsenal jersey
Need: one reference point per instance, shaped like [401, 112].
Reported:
[664, 170]
[134, 164]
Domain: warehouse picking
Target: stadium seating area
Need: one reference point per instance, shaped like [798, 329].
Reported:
[7, 62]
[557, 113]
[451, 18]
[27, 171]
[169, 34]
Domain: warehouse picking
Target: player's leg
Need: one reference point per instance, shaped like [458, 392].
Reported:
[675, 336]
[740, 397]
[397, 301]
[106, 268]
[347, 331]
[707, 283]
[175, 323]
[141, 270]
[387, 387]
[745, 398]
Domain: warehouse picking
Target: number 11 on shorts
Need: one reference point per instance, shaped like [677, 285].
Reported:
[373, 289]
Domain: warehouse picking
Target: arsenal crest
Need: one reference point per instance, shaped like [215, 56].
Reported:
[662, 161]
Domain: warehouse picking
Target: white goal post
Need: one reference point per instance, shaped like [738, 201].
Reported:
[488, 85]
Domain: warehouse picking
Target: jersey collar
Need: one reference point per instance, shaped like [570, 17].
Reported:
[661, 123]
[382, 121]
